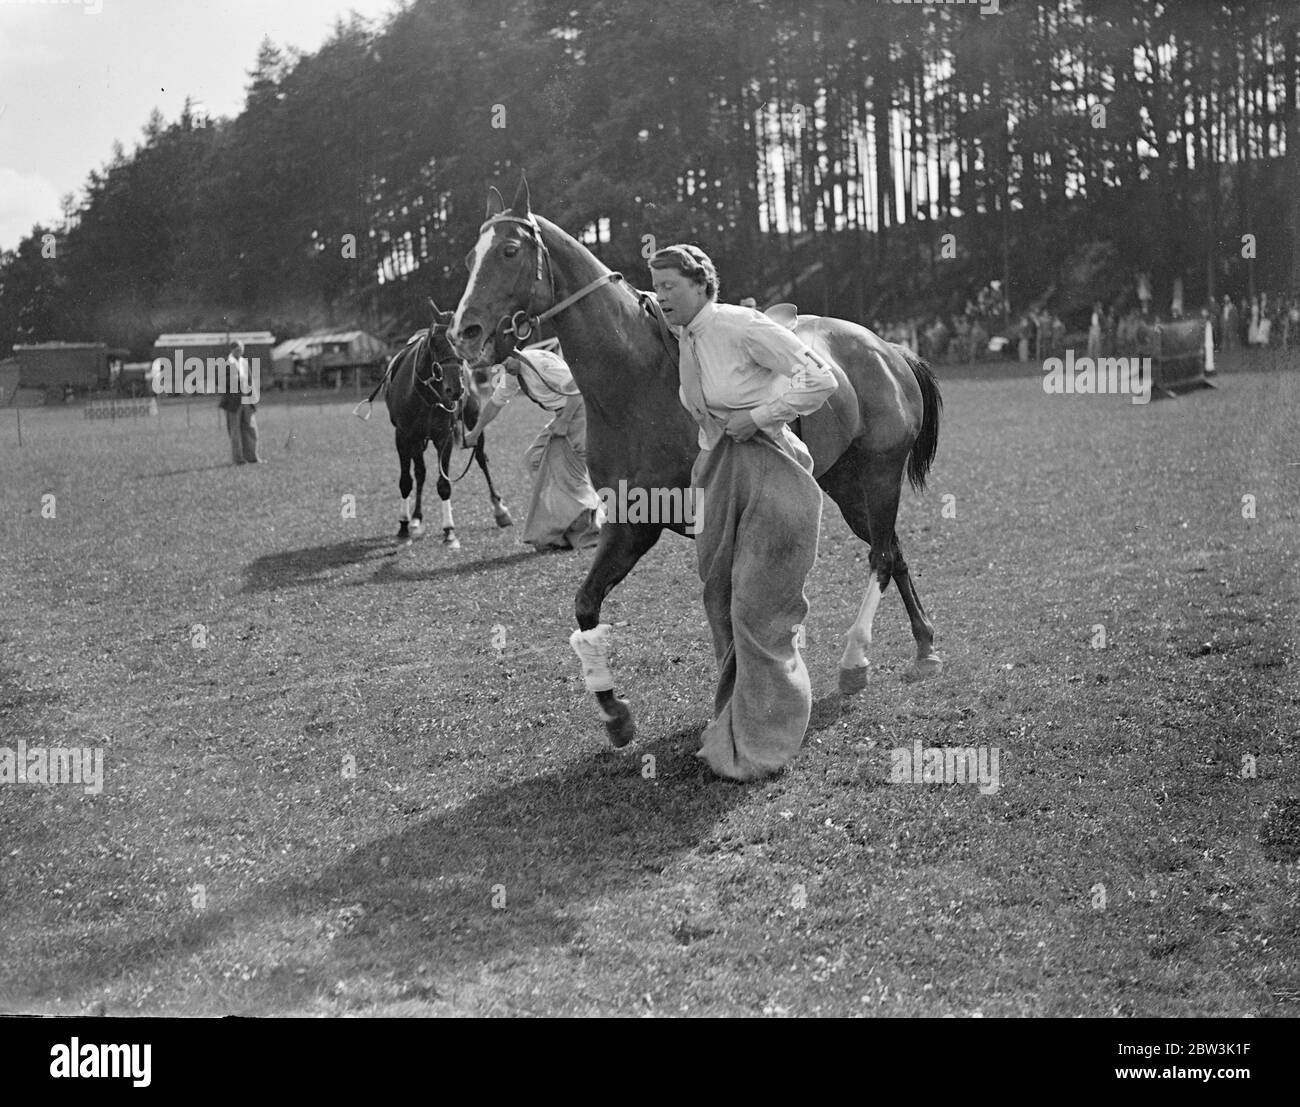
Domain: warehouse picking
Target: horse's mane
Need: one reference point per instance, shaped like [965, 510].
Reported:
[647, 301]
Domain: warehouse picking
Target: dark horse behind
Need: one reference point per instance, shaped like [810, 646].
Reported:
[881, 424]
[430, 400]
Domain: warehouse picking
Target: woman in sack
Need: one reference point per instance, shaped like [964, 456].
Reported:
[563, 514]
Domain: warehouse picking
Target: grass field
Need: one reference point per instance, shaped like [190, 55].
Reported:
[235, 645]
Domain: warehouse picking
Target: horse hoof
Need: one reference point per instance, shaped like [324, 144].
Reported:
[924, 667]
[417, 528]
[619, 724]
[404, 531]
[503, 518]
[451, 542]
[852, 681]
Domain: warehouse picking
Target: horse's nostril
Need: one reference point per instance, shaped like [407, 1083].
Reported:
[472, 331]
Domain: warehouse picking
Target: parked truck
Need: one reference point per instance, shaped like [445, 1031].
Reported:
[66, 369]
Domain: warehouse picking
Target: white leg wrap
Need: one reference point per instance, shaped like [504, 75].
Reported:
[592, 648]
[446, 514]
[406, 510]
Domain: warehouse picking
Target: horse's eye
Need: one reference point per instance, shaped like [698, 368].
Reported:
[512, 248]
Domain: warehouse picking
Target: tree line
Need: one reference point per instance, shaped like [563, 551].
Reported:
[865, 159]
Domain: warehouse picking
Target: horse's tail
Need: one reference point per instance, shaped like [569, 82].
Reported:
[927, 442]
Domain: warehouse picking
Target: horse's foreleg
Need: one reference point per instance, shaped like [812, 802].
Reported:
[417, 514]
[449, 539]
[404, 485]
[621, 546]
[500, 512]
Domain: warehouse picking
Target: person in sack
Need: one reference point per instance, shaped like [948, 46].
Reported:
[743, 378]
[565, 511]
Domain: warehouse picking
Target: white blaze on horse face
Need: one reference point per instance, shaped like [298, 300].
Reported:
[859, 635]
[481, 249]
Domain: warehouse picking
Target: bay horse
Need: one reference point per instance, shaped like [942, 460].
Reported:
[429, 401]
[881, 422]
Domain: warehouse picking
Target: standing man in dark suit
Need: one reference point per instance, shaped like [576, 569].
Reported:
[237, 403]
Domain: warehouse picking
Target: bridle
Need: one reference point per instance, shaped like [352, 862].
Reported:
[523, 323]
[435, 398]
[433, 385]
[438, 377]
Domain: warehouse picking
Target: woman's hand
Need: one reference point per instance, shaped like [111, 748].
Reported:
[741, 426]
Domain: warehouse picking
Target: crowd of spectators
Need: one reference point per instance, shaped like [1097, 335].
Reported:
[1264, 321]
[963, 336]
[981, 331]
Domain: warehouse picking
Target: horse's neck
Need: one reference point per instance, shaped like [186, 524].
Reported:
[604, 334]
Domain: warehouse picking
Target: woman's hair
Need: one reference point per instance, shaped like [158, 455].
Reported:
[692, 262]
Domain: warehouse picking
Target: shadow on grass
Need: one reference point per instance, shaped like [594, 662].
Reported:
[516, 868]
[827, 710]
[161, 473]
[403, 571]
[291, 568]
[503, 875]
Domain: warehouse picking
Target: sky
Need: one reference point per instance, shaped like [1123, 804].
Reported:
[77, 75]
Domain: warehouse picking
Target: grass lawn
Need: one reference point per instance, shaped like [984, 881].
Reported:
[237, 646]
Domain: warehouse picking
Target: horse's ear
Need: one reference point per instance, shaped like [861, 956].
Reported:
[495, 204]
[522, 205]
[445, 317]
[434, 307]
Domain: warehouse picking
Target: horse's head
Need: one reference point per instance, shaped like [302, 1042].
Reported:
[509, 282]
[439, 326]
[444, 381]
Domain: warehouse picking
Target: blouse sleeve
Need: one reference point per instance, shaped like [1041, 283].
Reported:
[769, 344]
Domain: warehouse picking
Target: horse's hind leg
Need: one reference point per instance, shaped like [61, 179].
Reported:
[500, 512]
[927, 661]
[870, 507]
[854, 661]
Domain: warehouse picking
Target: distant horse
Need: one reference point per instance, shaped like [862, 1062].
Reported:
[882, 421]
[429, 401]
